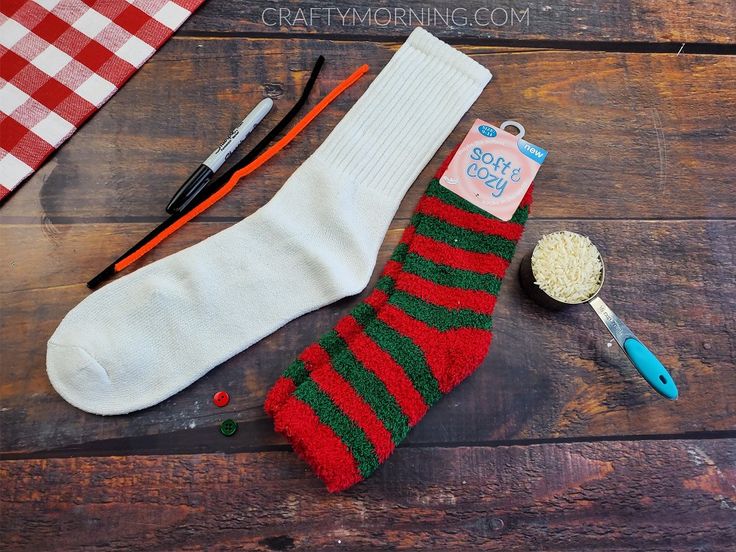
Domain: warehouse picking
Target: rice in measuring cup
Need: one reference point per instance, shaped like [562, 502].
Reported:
[567, 266]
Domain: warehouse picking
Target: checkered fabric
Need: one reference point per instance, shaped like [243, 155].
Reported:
[60, 60]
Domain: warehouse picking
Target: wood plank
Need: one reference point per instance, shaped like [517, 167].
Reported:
[622, 128]
[650, 495]
[547, 376]
[708, 22]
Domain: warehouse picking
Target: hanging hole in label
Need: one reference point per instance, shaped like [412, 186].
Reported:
[518, 126]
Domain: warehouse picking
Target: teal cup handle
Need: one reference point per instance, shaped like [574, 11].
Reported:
[650, 368]
[648, 365]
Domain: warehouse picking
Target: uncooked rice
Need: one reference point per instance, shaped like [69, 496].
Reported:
[567, 266]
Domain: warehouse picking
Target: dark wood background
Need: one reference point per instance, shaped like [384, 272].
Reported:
[554, 444]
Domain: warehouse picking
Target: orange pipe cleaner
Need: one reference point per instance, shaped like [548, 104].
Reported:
[245, 171]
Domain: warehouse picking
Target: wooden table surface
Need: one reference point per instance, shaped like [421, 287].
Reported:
[554, 444]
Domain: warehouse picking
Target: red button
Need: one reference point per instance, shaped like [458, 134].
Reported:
[221, 398]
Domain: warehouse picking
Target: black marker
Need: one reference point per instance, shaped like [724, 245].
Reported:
[199, 178]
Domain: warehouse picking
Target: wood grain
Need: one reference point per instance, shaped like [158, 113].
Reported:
[622, 129]
[706, 22]
[650, 495]
[554, 444]
[547, 376]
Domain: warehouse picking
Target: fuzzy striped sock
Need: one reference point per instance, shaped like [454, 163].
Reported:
[333, 342]
[430, 333]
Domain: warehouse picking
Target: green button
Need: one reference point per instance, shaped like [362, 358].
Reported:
[228, 427]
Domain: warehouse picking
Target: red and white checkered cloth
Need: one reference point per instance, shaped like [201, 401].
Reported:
[60, 60]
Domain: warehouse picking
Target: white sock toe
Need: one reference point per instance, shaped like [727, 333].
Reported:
[78, 377]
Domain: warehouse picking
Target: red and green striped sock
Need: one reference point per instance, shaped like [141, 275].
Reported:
[334, 341]
[432, 331]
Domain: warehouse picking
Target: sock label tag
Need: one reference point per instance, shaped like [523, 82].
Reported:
[493, 169]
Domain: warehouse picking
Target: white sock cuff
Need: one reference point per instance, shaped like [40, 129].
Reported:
[396, 127]
[443, 52]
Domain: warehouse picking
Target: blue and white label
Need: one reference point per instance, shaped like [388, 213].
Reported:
[487, 130]
[535, 153]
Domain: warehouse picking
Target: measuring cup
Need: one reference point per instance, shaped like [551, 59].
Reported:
[650, 368]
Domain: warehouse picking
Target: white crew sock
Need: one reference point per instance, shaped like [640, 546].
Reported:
[152, 333]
